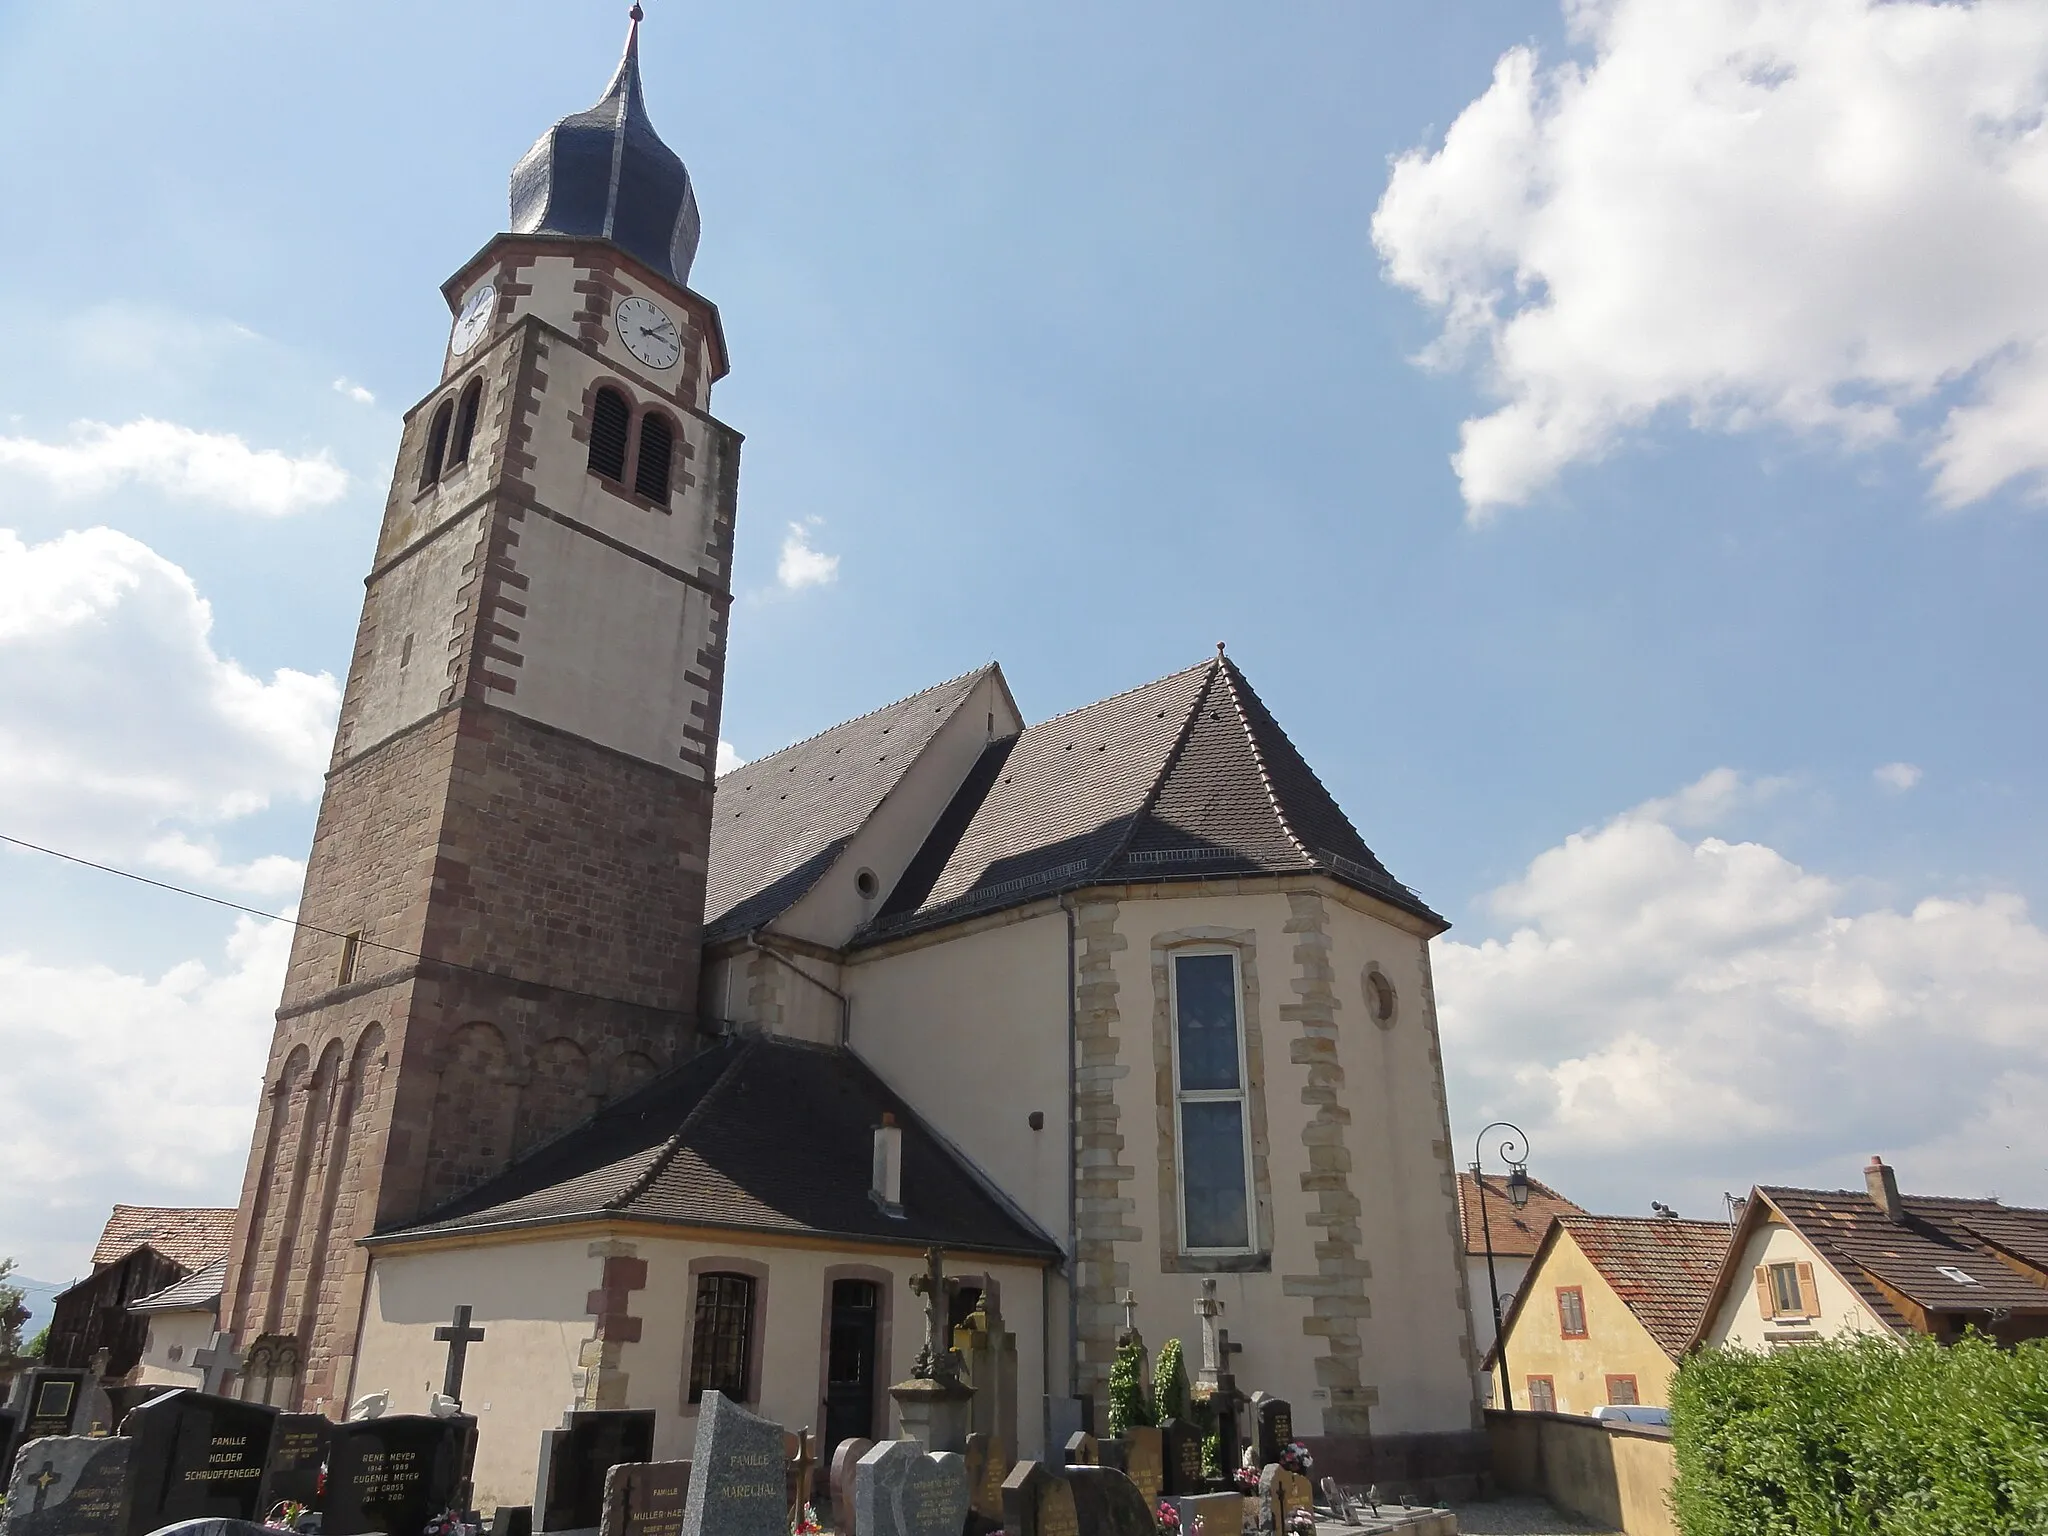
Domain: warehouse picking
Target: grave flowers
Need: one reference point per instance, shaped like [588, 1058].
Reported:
[1247, 1480]
[1294, 1457]
[284, 1515]
[1167, 1516]
[806, 1522]
[450, 1523]
[1301, 1522]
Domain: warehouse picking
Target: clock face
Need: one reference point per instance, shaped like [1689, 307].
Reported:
[648, 332]
[475, 318]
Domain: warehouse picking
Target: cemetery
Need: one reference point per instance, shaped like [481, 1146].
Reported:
[1179, 1455]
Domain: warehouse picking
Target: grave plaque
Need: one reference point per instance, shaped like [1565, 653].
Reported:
[298, 1451]
[645, 1499]
[1037, 1501]
[736, 1473]
[69, 1486]
[575, 1458]
[1145, 1461]
[1180, 1452]
[1275, 1427]
[901, 1490]
[50, 1403]
[1107, 1503]
[1296, 1492]
[987, 1466]
[846, 1456]
[394, 1474]
[1082, 1450]
[1221, 1514]
[194, 1456]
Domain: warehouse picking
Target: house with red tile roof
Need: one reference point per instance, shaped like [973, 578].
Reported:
[1514, 1236]
[1813, 1263]
[144, 1249]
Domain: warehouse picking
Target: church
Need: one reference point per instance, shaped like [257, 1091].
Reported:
[673, 1080]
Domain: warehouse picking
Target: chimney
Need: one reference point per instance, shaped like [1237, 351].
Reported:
[888, 1187]
[1883, 1185]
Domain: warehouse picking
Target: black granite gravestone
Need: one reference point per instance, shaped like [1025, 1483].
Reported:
[512, 1520]
[736, 1473]
[298, 1455]
[645, 1499]
[6, 1446]
[1275, 1428]
[69, 1486]
[1037, 1501]
[49, 1402]
[393, 1475]
[575, 1459]
[195, 1457]
[1082, 1450]
[1180, 1454]
[1107, 1503]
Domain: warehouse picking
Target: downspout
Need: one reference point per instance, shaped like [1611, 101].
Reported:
[845, 1002]
[1073, 1149]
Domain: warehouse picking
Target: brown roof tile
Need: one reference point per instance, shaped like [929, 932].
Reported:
[1516, 1234]
[192, 1236]
[1663, 1269]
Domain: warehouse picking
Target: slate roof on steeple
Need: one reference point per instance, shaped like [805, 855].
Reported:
[605, 174]
[1189, 777]
[755, 1134]
[778, 822]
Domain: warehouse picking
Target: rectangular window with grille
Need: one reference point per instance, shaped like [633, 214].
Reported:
[723, 1339]
[1621, 1391]
[1211, 1114]
[1542, 1395]
[1571, 1311]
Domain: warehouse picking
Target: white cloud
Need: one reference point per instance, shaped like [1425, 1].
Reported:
[1710, 1014]
[107, 1095]
[354, 391]
[801, 565]
[1897, 777]
[728, 759]
[1807, 214]
[119, 721]
[195, 466]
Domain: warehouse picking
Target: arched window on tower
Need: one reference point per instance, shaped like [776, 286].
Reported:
[609, 417]
[465, 423]
[657, 451]
[437, 444]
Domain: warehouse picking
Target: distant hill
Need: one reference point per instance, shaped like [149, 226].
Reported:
[38, 1296]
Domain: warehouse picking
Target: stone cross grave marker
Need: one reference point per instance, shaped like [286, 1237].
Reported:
[736, 1473]
[935, 1358]
[458, 1336]
[899, 1489]
[1082, 1450]
[846, 1456]
[798, 1458]
[646, 1499]
[217, 1361]
[1038, 1501]
[69, 1486]
[196, 1456]
[1207, 1309]
[575, 1459]
[394, 1474]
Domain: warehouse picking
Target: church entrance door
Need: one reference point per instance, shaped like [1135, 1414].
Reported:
[850, 1364]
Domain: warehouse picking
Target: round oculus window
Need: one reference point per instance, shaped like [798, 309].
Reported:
[867, 884]
[1379, 996]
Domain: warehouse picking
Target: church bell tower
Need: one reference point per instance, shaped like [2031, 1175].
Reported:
[506, 886]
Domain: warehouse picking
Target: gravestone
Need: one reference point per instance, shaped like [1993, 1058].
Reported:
[845, 1456]
[1180, 1457]
[394, 1474]
[1296, 1492]
[575, 1458]
[1107, 1503]
[646, 1499]
[797, 1467]
[298, 1450]
[1145, 1461]
[1082, 1450]
[736, 1473]
[1221, 1514]
[49, 1403]
[1271, 1512]
[900, 1489]
[989, 1350]
[512, 1520]
[69, 1486]
[6, 1444]
[1275, 1427]
[987, 1466]
[1038, 1501]
[194, 1456]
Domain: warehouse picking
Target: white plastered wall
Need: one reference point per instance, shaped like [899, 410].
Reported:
[1739, 1322]
[181, 1334]
[417, 599]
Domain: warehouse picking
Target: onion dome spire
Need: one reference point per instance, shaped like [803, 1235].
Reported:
[605, 173]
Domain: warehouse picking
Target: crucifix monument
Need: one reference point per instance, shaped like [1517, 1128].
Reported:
[458, 1336]
[216, 1362]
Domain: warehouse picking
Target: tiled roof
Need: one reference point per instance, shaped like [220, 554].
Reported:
[1516, 1234]
[1188, 777]
[1865, 1248]
[189, 1294]
[192, 1236]
[1663, 1269]
[779, 821]
[758, 1134]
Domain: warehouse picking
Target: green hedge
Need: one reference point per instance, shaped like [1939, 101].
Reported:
[1863, 1437]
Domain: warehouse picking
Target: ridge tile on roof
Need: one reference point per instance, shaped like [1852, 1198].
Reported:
[1662, 1268]
[1516, 1234]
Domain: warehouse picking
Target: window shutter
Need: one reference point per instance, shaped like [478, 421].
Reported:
[1809, 1295]
[609, 419]
[657, 445]
[1763, 1291]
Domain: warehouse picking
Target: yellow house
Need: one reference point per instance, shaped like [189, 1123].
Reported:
[1606, 1309]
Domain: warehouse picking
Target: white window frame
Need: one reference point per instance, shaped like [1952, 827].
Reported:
[1241, 1095]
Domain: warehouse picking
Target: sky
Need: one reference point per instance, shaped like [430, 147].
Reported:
[1612, 439]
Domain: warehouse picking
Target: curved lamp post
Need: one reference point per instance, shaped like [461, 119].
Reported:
[1514, 1151]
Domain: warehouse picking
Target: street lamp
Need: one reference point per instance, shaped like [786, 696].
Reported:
[1514, 1151]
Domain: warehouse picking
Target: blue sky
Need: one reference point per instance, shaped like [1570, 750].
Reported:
[1081, 338]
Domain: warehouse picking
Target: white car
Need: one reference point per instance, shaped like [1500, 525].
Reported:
[1634, 1414]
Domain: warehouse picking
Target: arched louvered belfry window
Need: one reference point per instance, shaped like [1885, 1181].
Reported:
[437, 444]
[657, 452]
[465, 423]
[609, 418]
